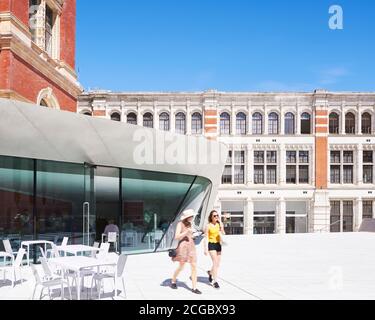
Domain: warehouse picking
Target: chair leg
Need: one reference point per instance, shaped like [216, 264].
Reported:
[70, 291]
[115, 281]
[62, 290]
[32, 298]
[41, 293]
[92, 286]
[123, 286]
[100, 288]
[49, 293]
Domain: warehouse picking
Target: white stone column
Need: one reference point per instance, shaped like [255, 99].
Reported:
[139, 115]
[265, 121]
[342, 121]
[249, 217]
[249, 165]
[249, 120]
[359, 165]
[359, 121]
[282, 121]
[188, 121]
[358, 214]
[373, 209]
[172, 118]
[281, 165]
[281, 217]
[156, 116]
[233, 122]
[298, 122]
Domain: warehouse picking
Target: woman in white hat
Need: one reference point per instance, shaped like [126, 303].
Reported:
[186, 252]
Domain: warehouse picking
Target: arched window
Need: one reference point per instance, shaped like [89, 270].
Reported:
[180, 123]
[196, 123]
[305, 123]
[132, 118]
[350, 123]
[366, 123]
[273, 123]
[241, 126]
[257, 123]
[115, 116]
[225, 124]
[148, 120]
[164, 122]
[289, 123]
[334, 123]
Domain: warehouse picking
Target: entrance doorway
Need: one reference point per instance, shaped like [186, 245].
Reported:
[103, 202]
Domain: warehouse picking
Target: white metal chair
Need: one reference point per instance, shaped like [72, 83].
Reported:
[65, 241]
[104, 249]
[54, 249]
[16, 266]
[8, 247]
[95, 245]
[48, 283]
[113, 238]
[43, 253]
[118, 274]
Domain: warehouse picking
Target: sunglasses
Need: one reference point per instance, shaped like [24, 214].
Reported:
[216, 216]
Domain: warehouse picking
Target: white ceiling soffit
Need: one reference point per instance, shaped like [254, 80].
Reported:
[35, 132]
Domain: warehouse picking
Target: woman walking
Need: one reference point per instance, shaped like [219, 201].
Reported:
[213, 233]
[186, 252]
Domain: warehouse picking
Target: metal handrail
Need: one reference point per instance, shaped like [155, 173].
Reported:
[332, 224]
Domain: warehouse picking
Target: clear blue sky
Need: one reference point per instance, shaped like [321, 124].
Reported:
[229, 45]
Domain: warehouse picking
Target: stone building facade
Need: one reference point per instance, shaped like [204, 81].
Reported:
[299, 162]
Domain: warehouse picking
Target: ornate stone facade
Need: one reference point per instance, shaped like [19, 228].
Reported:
[278, 177]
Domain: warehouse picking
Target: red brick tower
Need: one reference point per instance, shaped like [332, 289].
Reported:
[37, 52]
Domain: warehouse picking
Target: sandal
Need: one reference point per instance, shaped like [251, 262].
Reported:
[173, 286]
[210, 279]
[196, 291]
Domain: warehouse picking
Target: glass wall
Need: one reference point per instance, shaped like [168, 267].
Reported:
[16, 200]
[264, 217]
[60, 194]
[107, 197]
[151, 201]
[196, 199]
[49, 200]
[296, 216]
[233, 216]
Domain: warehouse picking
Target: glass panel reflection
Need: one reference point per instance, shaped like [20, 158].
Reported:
[59, 199]
[16, 200]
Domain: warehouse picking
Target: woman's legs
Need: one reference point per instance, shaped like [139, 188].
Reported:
[213, 255]
[218, 262]
[194, 277]
[178, 271]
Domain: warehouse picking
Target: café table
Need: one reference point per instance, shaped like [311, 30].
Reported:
[27, 244]
[77, 264]
[75, 249]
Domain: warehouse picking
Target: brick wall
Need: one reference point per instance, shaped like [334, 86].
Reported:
[321, 149]
[19, 8]
[23, 73]
[68, 33]
[4, 69]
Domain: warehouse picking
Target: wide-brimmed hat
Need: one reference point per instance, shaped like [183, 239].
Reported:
[187, 214]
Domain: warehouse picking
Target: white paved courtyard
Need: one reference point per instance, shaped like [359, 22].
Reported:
[306, 266]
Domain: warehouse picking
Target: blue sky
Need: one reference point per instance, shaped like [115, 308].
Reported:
[228, 45]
